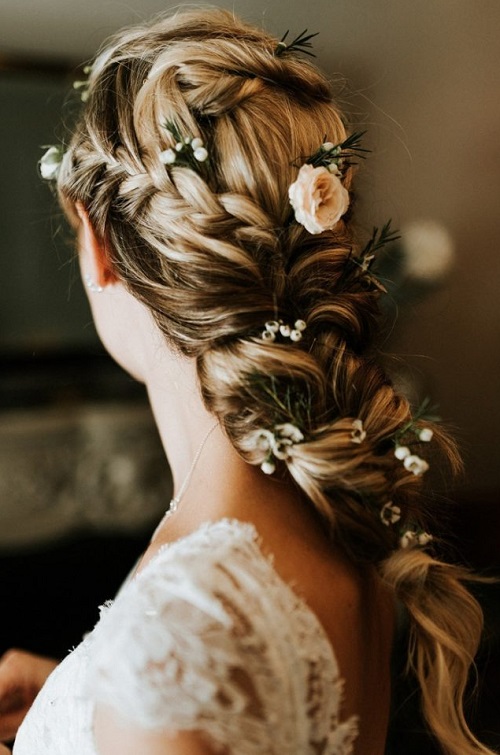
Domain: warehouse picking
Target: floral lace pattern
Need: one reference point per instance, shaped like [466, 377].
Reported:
[208, 637]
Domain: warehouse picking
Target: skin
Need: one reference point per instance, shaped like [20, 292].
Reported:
[352, 605]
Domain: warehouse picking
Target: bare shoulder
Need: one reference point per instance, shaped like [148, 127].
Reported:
[114, 735]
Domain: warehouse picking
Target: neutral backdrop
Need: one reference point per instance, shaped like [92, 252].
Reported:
[425, 77]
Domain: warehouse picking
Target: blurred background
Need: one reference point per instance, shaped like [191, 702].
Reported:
[82, 478]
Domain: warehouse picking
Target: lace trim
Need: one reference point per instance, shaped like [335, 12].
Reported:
[208, 636]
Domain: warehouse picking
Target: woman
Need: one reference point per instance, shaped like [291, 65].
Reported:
[214, 238]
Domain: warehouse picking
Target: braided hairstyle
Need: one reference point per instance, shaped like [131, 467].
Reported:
[215, 253]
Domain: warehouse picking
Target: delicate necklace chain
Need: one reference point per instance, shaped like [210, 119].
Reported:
[174, 503]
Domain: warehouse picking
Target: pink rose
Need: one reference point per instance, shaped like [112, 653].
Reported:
[318, 198]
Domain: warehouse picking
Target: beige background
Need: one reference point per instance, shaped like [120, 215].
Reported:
[427, 79]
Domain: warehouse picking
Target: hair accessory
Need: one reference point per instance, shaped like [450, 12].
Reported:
[390, 514]
[318, 196]
[364, 261]
[92, 285]
[83, 85]
[50, 163]
[412, 462]
[338, 157]
[358, 433]
[414, 537]
[277, 443]
[278, 327]
[302, 43]
[187, 151]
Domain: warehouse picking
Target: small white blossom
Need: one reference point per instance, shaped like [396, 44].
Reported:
[300, 325]
[50, 163]
[358, 433]
[402, 452]
[390, 514]
[295, 335]
[285, 330]
[200, 154]
[327, 146]
[268, 335]
[264, 440]
[425, 434]
[179, 147]
[415, 464]
[168, 157]
[287, 430]
[407, 538]
[424, 538]
[196, 143]
[272, 325]
[268, 467]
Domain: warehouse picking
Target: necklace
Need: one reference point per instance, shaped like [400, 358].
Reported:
[174, 503]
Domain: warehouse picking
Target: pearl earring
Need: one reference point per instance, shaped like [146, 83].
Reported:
[92, 285]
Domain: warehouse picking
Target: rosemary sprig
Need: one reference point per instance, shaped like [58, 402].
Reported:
[425, 411]
[378, 240]
[336, 157]
[301, 43]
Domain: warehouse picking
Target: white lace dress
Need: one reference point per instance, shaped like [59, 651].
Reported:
[208, 637]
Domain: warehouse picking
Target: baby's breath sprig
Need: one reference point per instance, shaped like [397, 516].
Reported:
[83, 86]
[339, 155]
[290, 410]
[336, 157]
[410, 431]
[302, 43]
[188, 151]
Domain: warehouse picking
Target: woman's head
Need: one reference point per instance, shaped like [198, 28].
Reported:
[214, 250]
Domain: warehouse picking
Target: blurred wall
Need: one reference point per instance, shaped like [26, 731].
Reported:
[425, 78]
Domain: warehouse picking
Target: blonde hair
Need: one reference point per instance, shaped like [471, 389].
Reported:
[215, 257]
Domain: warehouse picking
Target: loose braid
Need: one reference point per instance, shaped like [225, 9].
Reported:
[215, 255]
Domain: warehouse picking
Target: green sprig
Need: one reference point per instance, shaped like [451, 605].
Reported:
[302, 43]
[426, 412]
[338, 155]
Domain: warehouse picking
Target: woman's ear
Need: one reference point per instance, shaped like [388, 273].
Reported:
[95, 257]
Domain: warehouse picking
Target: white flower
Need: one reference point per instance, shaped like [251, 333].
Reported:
[179, 147]
[268, 467]
[327, 146]
[424, 538]
[334, 168]
[285, 330]
[407, 538]
[50, 163]
[196, 143]
[402, 452]
[425, 434]
[318, 198]
[295, 335]
[415, 464]
[390, 514]
[264, 440]
[358, 434]
[300, 325]
[168, 157]
[287, 430]
[200, 154]
[268, 335]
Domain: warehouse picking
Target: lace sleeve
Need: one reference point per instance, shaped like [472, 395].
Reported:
[209, 640]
